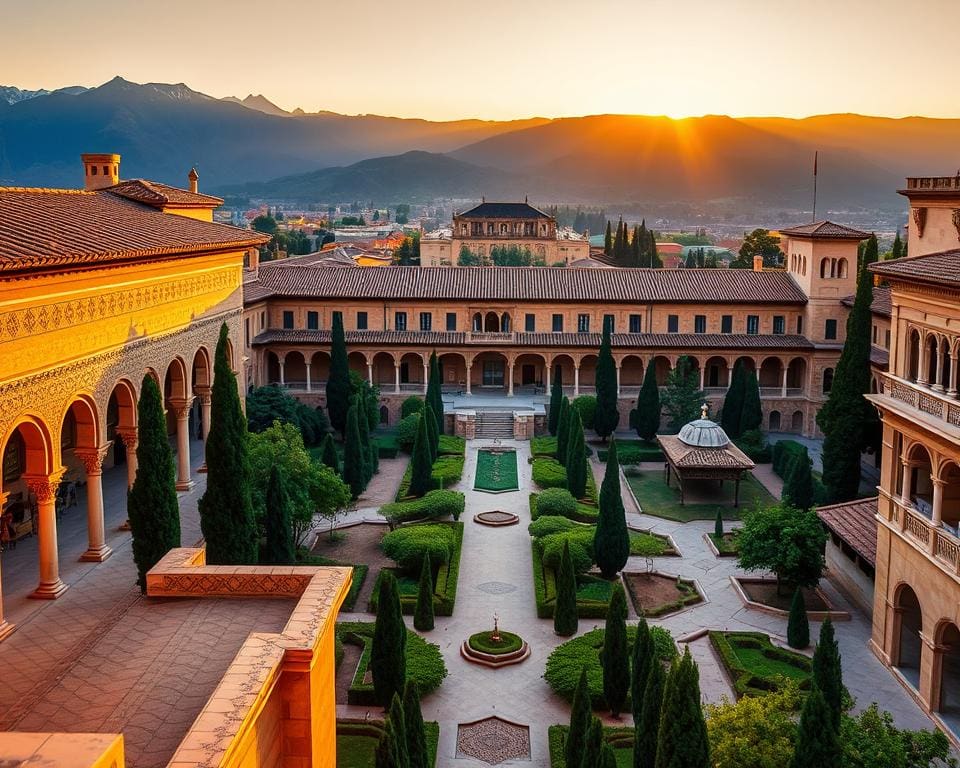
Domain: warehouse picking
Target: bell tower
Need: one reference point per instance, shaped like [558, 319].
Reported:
[100, 170]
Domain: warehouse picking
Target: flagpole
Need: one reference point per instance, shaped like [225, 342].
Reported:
[815, 184]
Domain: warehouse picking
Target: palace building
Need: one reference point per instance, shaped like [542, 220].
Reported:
[498, 225]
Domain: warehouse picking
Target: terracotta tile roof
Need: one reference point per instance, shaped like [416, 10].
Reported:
[880, 357]
[683, 456]
[825, 230]
[880, 305]
[301, 336]
[503, 211]
[855, 522]
[158, 195]
[694, 286]
[44, 228]
[941, 268]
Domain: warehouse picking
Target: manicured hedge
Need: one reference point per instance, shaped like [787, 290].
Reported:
[407, 546]
[556, 501]
[545, 590]
[543, 446]
[483, 642]
[452, 445]
[747, 682]
[549, 473]
[356, 755]
[447, 471]
[435, 504]
[424, 661]
[620, 738]
[387, 447]
[407, 431]
[784, 452]
[754, 444]
[412, 404]
[633, 452]
[565, 662]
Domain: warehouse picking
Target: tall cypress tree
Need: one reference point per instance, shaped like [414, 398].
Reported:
[818, 741]
[647, 725]
[648, 405]
[433, 434]
[152, 501]
[606, 416]
[635, 247]
[897, 251]
[607, 757]
[423, 613]
[655, 261]
[556, 395]
[565, 619]
[846, 416]
[339, 388]
[388, 661]
[563, 429]
[421, 465]
[751, 417]
[828, 672]
[388, 753]
[580, 714]
[279, 549]
[611, 539]
[576, 457]
[798, 486]
[732, 410]
[354, 474]
[644, 657]
[417, 754]
[615, 656]
[644, 245]
[328, 453]
[397, 718]
[226, 509]
[798, 626]
[434, 396]
[593, 744]
[608, 240]
[363, 426]
[682, 741]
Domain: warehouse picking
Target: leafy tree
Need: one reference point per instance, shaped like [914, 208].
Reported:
[818, 743]
[682, 741]
[786, 541]
[648, 405]
[423, 613]
[828, 671]
[751, 417]
[328, 453]
[265, 224]
[647, 724]
[354, 473]
[417, 753]
[682, 398]
[611, 539]
[798, 626]
[339, 388]
[152, 501]
[434, 395]
[565, 619]
[556, 395]
[397, 718]
[759, 243]
[467, 258]
[388, 663]
[226, 508]
[279, 549]
[643, 659]
[614, 656]
[268, 404]
[606, 417]
[732, 410]
[421, 465]
[798, 487]
[576, 458]
[871, 740]
[593, 744]
[580, 715]
[563, 429]
[756, 731]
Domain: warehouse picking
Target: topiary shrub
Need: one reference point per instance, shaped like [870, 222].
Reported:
[407, 432]
[587, 406]
[546, 525]
[581, 548]
[549, 473]
[755, 445]
[556, 501]
[433, 505]
[412, 404]
[408, 546]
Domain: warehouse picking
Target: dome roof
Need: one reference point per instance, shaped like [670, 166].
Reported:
[703, 433]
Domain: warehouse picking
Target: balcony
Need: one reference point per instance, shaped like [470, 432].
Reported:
[941, 183]
[781, 392]
[490, 337]
[938, 404]
[941, 544]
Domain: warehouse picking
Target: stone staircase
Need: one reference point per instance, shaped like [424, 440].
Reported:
[493, 424]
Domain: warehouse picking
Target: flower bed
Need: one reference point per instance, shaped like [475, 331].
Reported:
[755, 665]
[483, 642]
[656, 594]
[620, 738]
[496, 471]
[357, 742]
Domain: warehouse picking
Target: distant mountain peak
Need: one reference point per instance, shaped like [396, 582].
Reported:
[260, 103]
[10, 94]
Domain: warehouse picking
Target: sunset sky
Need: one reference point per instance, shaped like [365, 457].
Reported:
[446, 59]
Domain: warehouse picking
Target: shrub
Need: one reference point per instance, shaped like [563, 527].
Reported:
[549, 473]
[412, 404]
[581, 548]
[483, 642]
[755, 445]
[544, 446]
[447, 470]
[451, 445]
[587, 406]
[435, 504]
[556, 502]
[745, 681]
[407, 431]
[408, 546]
[783, 453]
[633, 452]
[546, 525]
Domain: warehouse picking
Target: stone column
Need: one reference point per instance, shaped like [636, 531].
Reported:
[937, 500]
[129, 437]
[5, 626]
[182, 410]
[309, 383]
[923, 365]
[396, 380]
[907, 489]
[783, 383]
[618, 380]
[576, 379]
[426, 376]
[370, 374]
[44, 487]
[204, 393]
[702, 376]
[282, 380]
[894, 364]
[952, 385]
[510, 378]
[92, 458]
[469, 383]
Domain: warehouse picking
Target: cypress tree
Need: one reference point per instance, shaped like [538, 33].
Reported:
[339, 388]
[397, 718]
[576, 457]
[798, 627]
[615, 657]
[732, 410]
[607, 757]
[433, 434]
[423, 613]
[152, 501]
[417, 753]
[647, 725]
[897, 251]
[828, 672]
[718, 526]
[434, 396]
[580, 714]
[648, 404]
[593, 744]
[798, 487]
[563, 429]
[388, 661]
[556, 396]
[353, 454]
[644, 246]
[279, 549]
[421, 465]
[565, 619]
[682, 741]
[635, 247]
[655, 261]
[608, 240]
[226, 509]
[363, 426]
[642, 663]
[611, 539]
[328, 453]
[818, 742]
[846, 416]
[606, 417]
[387, 754]
[752, 415]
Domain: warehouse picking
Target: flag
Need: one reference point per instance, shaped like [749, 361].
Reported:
[815, 162]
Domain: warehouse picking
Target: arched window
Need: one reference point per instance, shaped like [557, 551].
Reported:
[505, 323]
[842, 268]
[824, 268]
[827, 380]
[477, 322]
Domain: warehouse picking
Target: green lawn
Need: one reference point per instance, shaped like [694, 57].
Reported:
[756, 666]
[356, 749]
[621, 739]
[762, 665]
[496, 471]
[656, 498]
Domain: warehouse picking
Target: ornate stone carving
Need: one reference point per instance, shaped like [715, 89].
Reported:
[44, 487]
[129, 437]
[920, 220]
[92, 458]
[181, 408]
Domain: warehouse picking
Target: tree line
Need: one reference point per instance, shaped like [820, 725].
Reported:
[631, 248]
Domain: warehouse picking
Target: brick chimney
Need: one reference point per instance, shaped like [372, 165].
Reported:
[758, 263]
[100, 170]
[192, 177]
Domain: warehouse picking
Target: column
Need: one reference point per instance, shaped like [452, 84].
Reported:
[426, 376]
[907, 483]
[952, 386]
[182, 410]
[618, 380]
[129, 437]
[576, 379]
[702, 376]
[923, 365]
[510, 378]
[282, 380]
[5, 626]
[396, 379]
[44, 487]
[783, 383]
[469, 367]
[92, 458]
[369, 373]
[937, 500]
[894, 365]
[309, 383]
[204, 393]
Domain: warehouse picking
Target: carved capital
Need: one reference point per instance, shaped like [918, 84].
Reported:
[204, 393]
[920, 220]
[181, 408]
[129, 437]
[44, 487]
[92, 458]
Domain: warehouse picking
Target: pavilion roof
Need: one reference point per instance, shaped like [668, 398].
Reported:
[682, 456]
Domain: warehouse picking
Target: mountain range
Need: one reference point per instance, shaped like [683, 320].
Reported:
[253, 148]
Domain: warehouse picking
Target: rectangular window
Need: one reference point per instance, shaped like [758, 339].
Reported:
[886, 339]
[799, 325]
[399, 321]
[313, 321]
[874, 335]
[246, 331]
[726, 324]
[287, 318]
[426, 321]
[753, 324]
[558, 323]
[635, 324]
[530, 323]
[673, 324]
[263, 320]
[583, 323]
[361, 321]
[779, 324]
[608, 323]
[451, 321]
[700, 324]
[830, 329]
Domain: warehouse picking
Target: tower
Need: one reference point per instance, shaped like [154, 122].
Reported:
[100, 170]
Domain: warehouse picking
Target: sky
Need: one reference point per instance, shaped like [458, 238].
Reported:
[504, 59]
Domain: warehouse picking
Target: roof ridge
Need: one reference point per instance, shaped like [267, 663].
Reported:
[48, 190]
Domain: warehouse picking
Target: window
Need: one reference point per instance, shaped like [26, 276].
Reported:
[753, 324]
[635, 324]
[779, 324]
[700, 324]
[558, 323]
[673, 324]
[426, 321]
[399, 321]
[287, 319]
[827, 380]
[886, 339]
[726, 324]
[830, 329]
[451, 321]
[313, 321]
[263, 320]
[246, 331]
[799, 325]
[608, 323]
[530, 323]
[874, 335]
[361, 321]
[583, 323]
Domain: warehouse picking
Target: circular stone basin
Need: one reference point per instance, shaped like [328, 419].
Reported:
[495, 518]
[482, 649]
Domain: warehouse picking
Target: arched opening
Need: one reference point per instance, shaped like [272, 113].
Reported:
[411, 371]
[491, 323]
[771, 373]
[530, 374]
[909, 646]
[231, 360]
[121, 420]
[631, 374]
[949, 689]
[385, 415]
[774, 421]
[453, 373]
[588, 374]
[824, 268]
[295, 370]
[273, 367]
[796, 376]
[827, 380]
[476, 325]
[175, 380]
[562, 367]
[932, 349]
[662, 368]
[913, 365]
[319, 369]
[384, 373]
[489, 371]
[842, 269]
[796, 422]
[748, 363]
[716, 373]
[505, 324]
[79, 431]
[202, 375]
[357, 362]
[950, 505]
[946, 363]
[921, 485]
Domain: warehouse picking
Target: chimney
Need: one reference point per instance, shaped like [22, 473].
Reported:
[758, 263]
[100, 170]
[192, 178]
